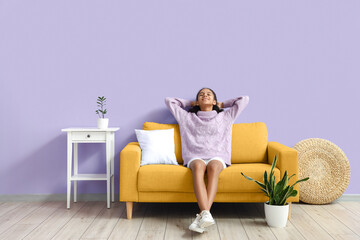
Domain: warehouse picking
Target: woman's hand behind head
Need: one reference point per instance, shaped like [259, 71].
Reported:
[193, 103]
[220, 104]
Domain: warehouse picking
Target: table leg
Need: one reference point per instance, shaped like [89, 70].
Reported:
[108, 156]
[69, 165]
[112, 166]
[75, 169]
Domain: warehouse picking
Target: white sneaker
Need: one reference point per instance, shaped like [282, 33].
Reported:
[195, 225]
[206, 219]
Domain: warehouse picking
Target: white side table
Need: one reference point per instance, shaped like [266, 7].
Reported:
[90, 135]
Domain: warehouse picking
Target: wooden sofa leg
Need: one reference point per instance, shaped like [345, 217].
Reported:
[289, 211]
[129, 208]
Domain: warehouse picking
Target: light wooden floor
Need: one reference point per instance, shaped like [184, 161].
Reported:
[92, 220]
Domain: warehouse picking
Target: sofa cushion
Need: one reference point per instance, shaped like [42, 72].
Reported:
[157, 146]
[177, 139]
[165, 178]
[172, 178]
[231, 180]
[249, 143]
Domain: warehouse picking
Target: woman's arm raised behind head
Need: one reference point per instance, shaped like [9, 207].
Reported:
[176, 106]
[236, 105]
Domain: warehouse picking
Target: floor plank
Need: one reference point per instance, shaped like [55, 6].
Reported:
[105, 222]
[347, 217]
[306, 225]
[228, 222]
[333, 226]
[13, 216]
[351, 206]
[56, 221]
[31, 221]
[78, 224]
[92, 220]
[254, 224]
[8, 206]
[129, 229]
[154, 223]
[178, 221]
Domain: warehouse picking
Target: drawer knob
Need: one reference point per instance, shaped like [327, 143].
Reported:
[88, 135]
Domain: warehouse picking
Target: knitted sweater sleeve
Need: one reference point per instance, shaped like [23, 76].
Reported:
[176, 106]
[236, 106]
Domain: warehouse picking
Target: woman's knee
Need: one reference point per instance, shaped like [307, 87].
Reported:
[214, 167]
[198, 166]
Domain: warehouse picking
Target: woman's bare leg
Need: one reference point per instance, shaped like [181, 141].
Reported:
[198, 168]
[213, 171]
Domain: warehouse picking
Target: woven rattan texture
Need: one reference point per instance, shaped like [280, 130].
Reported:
[327, 167]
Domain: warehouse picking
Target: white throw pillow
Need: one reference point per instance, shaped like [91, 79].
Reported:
[157, 146]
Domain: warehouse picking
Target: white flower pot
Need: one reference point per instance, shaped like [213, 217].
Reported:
[276, 216]
[103, 123]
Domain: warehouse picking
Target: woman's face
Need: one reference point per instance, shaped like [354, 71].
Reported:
[206, 97]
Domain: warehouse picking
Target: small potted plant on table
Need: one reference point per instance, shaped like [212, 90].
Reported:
[277, 209]
[102, 121]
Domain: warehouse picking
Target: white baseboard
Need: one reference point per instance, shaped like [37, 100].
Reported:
[349, 197]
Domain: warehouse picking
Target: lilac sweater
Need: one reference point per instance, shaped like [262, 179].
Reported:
[207, 134]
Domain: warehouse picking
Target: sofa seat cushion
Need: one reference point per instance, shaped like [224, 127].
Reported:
[231, 180]
[165, 178]
[172, 178]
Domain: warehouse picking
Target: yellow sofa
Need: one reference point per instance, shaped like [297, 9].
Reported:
[251, 154]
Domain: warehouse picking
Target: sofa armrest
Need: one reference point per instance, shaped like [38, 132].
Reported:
[287, 160]
[130, 158]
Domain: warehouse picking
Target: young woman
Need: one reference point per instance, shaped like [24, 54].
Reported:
[206, 131]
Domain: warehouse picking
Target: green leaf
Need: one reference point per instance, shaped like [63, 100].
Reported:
[285, 178]
[279, 187]
[266, 193]
[301, 180]
[272, 170]
[274, 163]
[293, 193]
[265, 177]
[284, 195]
[291, 176]
[259, 183]
[248, 178]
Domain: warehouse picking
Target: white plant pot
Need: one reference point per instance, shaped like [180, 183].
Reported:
[276, 216]
[103, 123]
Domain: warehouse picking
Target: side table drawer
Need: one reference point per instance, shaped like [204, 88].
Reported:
[88, 136]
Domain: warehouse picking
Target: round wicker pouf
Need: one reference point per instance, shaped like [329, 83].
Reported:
[326, 166]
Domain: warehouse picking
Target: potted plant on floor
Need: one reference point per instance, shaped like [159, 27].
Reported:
[277, 209]
[102, 121]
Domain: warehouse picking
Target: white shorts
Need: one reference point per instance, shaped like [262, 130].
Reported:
[206, 161]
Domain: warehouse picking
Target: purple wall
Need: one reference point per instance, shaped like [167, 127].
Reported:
[298, 62]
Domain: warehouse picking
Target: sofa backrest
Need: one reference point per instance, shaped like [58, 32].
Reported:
[249, 141]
